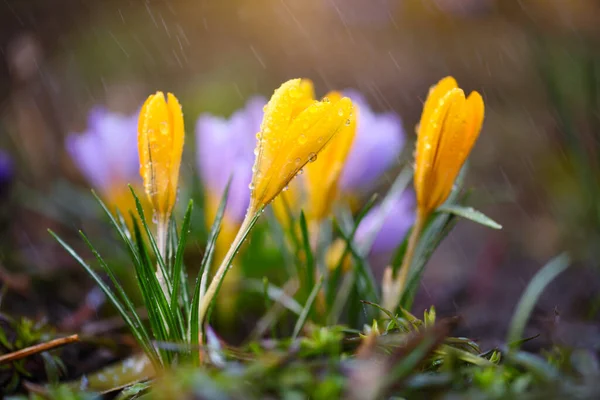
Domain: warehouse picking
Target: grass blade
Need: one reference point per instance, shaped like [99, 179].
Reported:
[531, 295]
[177, 267]
[310, 262]
[471, 214]
[159, 258]
[114, 300]
[203, 271]
[307, 308]
[126, 300]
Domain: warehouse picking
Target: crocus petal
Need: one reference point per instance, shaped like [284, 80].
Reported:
[225, 150]
[397, 221]
[449, 127]
[160, 144]
[322, 175]
[286, 143]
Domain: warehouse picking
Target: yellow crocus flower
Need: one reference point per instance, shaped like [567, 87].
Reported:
[294, 130]
[160, 146]
[449, 126]
[322, 176]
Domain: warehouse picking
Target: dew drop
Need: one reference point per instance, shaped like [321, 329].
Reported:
[285, 188]
[326, 100]
[312, 157]
[164, 127]
[301, 139]
[251, 186]
[298, 160]
[320, 139]
[258, 135]
[155, 218]
[256, 151]
[348, 122]
[300, 171]
[341, 112]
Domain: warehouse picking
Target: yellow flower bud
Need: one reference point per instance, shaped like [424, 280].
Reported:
[449, 127]
[322, 176]
[294, 130]
[160, 145]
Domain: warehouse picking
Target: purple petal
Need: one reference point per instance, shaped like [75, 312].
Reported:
[400, 217]
[106, 153]
[6, 170]
[225, 149]
[379, 140]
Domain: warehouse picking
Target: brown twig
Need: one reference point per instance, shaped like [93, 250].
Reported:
[38, 348]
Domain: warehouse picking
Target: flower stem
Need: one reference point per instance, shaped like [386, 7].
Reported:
[211, 291]
[161, 237]
[392, 299]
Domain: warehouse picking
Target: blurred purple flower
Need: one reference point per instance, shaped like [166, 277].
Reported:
[379, 140]
[6, 171]
[225, 149]
[106, 153]
[397, 220]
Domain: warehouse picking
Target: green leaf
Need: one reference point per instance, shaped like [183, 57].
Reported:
[307, 308]
[471, 214]
[138, 325]
[136, 330]
[203, 271]
[309, 281]
[367, 281]
[159, 258]
[178, 266]
[531, 295]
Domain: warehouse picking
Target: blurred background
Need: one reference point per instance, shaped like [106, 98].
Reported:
[534, 169]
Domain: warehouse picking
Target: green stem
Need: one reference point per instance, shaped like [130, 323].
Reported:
[161, 237]
[397, 287]
[211, 291]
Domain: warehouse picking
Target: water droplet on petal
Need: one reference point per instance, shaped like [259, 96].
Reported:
[164, 127]
[300, 171]
[301, 139]
[298, 160]
[256, 151]
[251, 186]
[341, 112]
[285, 188]
[258, 135]
[312, 157]
[326, 100]
[347, 121]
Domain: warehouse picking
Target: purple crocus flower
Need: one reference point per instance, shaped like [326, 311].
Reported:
[378, 142]
[6, 172]
[225, 149]
[390, 224]
[106, 153]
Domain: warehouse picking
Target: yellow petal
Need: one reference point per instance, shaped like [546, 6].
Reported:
[448, 160]
[160, 144]
[178, 134]
[308, 133]
[427, 147]
[322, 175]
[286, 100]
[436, 93]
